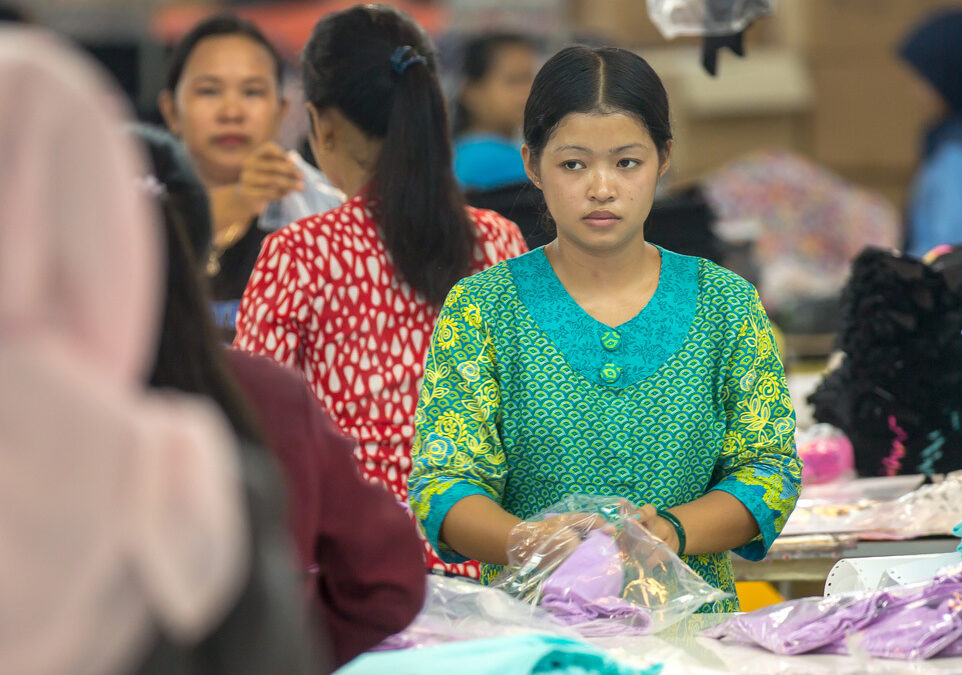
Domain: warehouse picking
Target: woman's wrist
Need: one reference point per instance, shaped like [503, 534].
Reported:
[677, 538]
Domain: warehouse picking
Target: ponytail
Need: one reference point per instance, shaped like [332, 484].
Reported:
[378, 67]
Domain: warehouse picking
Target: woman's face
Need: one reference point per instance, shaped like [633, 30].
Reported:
[598, 174]
[226, 104]
[496, 102]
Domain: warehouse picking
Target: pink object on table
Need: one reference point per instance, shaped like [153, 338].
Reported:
[826, 458]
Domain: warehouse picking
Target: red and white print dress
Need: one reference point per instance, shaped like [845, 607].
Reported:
[325, 299]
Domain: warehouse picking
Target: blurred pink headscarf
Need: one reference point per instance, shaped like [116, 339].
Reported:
[121, 511]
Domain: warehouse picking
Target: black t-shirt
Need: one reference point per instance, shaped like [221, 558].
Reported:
[236, 266]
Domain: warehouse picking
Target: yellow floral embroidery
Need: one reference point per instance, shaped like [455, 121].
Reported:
[768, 387]
[472, 314]
[447, 332]
[757, 416]
[451, 425]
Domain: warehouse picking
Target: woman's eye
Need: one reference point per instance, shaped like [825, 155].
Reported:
[258, 93]
[207, 91]
[628, 163]
[572, 165]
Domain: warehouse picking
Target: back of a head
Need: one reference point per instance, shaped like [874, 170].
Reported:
[377, 67]
[934, 50]
[183, 189]
[589, 80]
[189, 355]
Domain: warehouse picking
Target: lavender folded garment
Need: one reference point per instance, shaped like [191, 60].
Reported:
[802, 625]
[585, 591]
[930, 625]
[912, 633]
[915, 623]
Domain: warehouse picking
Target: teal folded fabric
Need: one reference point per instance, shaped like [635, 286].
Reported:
[957, 531]
[529, 654]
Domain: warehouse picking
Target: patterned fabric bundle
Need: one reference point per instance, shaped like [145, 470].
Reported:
[813, 223]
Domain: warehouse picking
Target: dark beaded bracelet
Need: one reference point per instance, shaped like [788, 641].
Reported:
[679, 529]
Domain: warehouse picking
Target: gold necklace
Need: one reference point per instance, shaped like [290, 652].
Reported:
[233, 233]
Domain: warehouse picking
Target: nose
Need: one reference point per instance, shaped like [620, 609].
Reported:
[231, 108]
[601, 187]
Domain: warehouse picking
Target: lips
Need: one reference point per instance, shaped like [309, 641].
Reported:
[601, 218]
[231, 140]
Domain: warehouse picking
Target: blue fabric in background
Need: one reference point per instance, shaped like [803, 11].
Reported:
[486, 161]
[529, 654]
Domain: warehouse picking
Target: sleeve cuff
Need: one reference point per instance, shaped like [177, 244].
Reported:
[438, 510]
[758, 547]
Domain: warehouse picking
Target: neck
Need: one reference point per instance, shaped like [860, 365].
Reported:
[355, 178]
[215, 179]
[601, 271]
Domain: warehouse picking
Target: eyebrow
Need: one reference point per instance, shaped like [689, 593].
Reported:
[253, 79]
[613, 151]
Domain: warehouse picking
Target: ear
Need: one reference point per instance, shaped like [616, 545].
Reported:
[665, 160]
[168, 109]
[324, 126]
[530, 166]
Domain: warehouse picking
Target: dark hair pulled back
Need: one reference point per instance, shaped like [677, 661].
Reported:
[189, 354]
[596, 80]
[347, 65]
[218, 25]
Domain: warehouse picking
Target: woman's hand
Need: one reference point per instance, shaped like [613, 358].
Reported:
[267, 174]
[545, 543]
[647, 516]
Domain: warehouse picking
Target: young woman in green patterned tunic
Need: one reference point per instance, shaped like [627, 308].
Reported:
[601, 364]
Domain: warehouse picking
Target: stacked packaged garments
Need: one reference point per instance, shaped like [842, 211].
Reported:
[918, 621]
[897, 394]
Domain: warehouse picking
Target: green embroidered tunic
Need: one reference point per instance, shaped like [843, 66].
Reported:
[526, 399]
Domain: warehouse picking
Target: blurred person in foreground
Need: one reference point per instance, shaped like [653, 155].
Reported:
[934, 51]
[133, 538]
[359, 554]
[223, 98]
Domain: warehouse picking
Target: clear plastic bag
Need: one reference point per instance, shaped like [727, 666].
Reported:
[910, 622]
[706, 17]
[460, 609]
[593, 566]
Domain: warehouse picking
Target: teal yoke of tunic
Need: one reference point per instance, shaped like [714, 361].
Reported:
[526, 399]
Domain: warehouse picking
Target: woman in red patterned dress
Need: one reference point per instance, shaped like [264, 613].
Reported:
[350, 297]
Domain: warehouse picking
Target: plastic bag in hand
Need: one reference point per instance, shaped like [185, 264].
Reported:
[594, 567]
[706, 17]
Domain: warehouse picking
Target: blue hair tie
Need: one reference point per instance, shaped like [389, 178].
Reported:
[400, 60]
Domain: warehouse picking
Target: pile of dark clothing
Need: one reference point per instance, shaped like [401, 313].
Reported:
[897, 393]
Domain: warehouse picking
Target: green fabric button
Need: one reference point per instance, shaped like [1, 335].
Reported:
[610, 373]
[611, 340]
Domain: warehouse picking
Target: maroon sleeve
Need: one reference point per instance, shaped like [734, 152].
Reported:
[372, 582]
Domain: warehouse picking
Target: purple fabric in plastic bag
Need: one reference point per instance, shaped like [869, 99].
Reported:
[954, 649]
[899, 624]
[587, 587]
[800, 626]
[912, 632]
